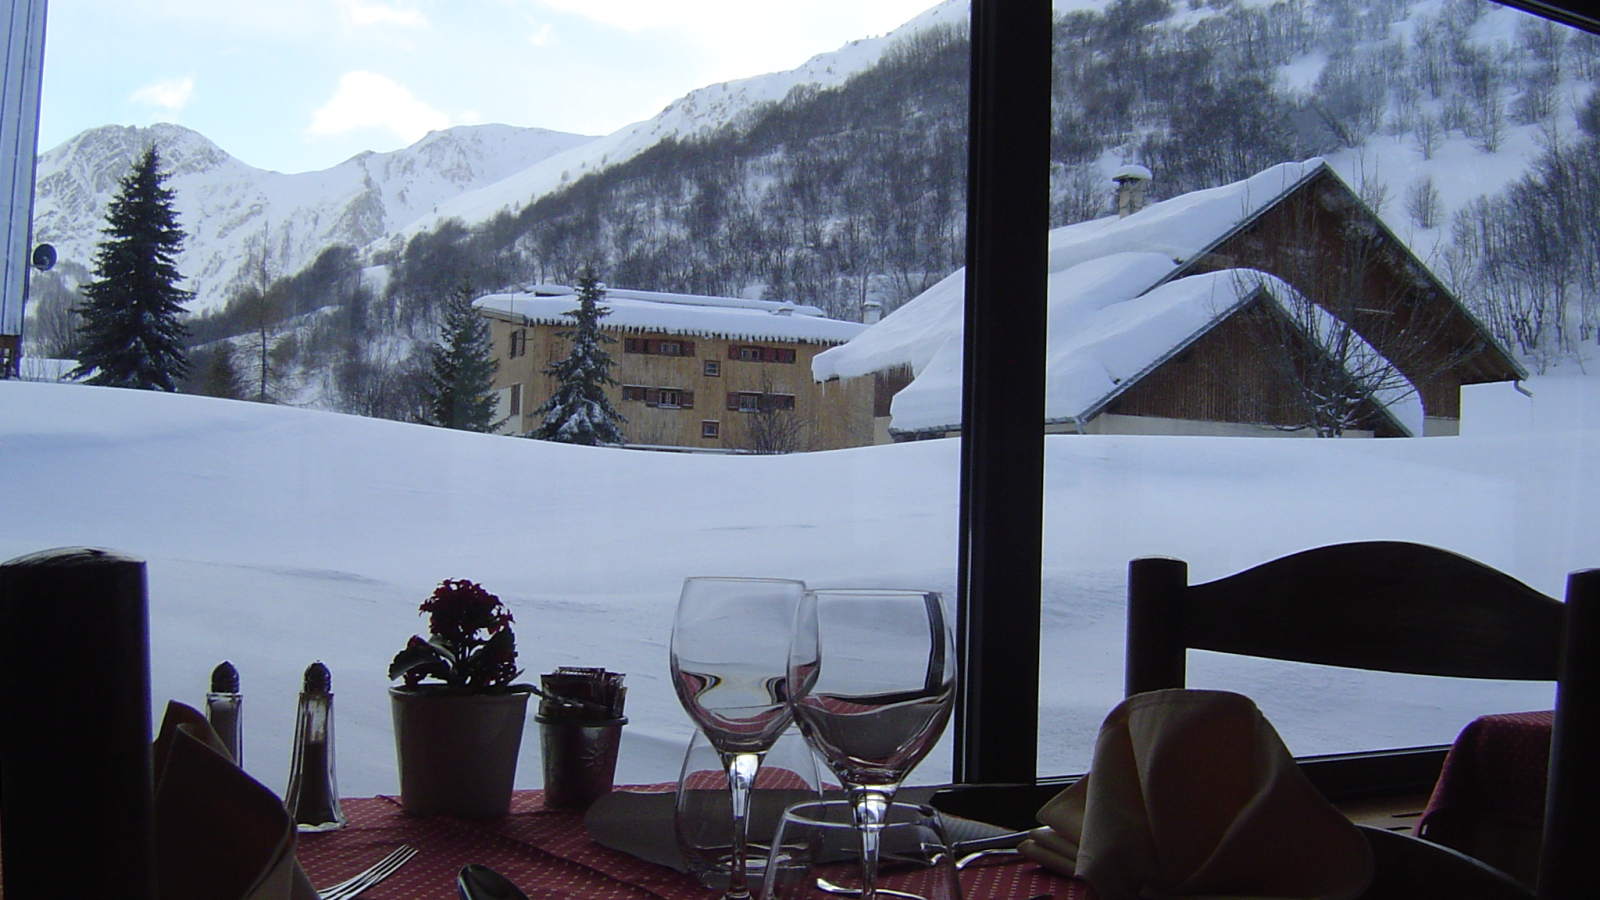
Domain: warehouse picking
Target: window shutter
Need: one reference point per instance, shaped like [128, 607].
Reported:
[630, 345]
[688, 348]
[733, 401]
[733, 351]
[652, 396]
[686, 399]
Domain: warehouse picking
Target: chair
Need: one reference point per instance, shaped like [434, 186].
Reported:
[1402, 607]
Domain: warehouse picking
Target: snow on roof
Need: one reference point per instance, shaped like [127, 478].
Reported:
[1097, 336]
[1107, 331]
[690, 314]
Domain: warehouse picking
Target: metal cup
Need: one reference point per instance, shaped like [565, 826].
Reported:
[580, 759]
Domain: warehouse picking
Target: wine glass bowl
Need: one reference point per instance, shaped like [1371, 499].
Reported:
[729, 659]
[872, 683]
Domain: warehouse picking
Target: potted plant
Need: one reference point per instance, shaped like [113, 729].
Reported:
[458, 716]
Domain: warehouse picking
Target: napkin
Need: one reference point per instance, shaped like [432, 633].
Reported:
[219, 834]
[1193, 794]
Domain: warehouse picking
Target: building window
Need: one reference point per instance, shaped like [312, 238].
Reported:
[515, 405]
[712, 368]
[657, 347]
[709, 428]
[755, 353]
[671, 398]
[519, 342]
[750, 401]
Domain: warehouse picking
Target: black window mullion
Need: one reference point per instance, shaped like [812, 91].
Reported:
[1002, 448]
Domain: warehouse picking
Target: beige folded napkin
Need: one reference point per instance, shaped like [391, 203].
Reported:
[219, 834]
[1193, 794]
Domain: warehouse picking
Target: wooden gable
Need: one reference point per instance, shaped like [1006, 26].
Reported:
[1225, 375]
[1323, 240]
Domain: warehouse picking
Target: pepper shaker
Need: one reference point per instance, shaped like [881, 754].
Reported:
[222, 709]
[313, 795]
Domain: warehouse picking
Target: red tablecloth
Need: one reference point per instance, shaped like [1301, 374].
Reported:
[548, 854]
[1489, 802]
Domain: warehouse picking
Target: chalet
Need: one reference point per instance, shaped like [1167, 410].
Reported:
[1280, 304]
[693, 372]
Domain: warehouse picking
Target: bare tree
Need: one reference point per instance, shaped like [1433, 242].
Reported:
[1349, 335]
[1423, 203]
[774, 426]
[1428, 134]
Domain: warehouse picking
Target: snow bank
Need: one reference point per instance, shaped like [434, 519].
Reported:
[278, 536]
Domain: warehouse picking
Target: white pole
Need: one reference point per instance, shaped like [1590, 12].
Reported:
[19, 148]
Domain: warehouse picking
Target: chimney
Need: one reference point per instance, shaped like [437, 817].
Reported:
[871, 310]
[1131, 180]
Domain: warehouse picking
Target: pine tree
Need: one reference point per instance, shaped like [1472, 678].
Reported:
[579, 411]
[131, 333]
[461, 369]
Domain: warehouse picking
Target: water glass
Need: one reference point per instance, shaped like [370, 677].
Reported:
[703, 814]
[818, 843]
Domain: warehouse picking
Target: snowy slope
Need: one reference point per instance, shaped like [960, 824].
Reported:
[697, 113]
[229, 209]
[278, 536]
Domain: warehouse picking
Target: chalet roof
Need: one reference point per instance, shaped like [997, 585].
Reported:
[734, 318]
[1123, 297]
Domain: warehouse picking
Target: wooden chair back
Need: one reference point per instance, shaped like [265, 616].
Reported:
[1402, 607]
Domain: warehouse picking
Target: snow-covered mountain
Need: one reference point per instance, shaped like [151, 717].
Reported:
[231, 210]
[696, 113]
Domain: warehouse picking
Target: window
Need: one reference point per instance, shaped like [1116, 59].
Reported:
[709, 428]
[672, 398]
[753, 353]
[519, 342]
[751, 401]
[516, 400]
[657, 347]
[712, 368]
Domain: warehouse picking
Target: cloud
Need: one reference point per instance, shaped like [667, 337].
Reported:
[368, 100]
[639, 15]
[540, 34]
[170, 96]
[363, 12]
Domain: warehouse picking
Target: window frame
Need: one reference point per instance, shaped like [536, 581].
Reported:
[999, 579]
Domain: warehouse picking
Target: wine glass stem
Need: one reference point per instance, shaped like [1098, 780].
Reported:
[871, 807]
[742, 768]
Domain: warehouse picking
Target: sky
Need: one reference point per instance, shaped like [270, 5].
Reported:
[300, 85]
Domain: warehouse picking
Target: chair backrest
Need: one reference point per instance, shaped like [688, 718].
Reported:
[1382, 605]
[1401, 607]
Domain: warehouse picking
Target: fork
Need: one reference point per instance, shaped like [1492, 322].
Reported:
[383, 868]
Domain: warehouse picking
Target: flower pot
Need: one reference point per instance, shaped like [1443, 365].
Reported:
[457, 753]
[580, 759]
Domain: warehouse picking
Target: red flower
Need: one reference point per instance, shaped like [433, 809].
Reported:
[471, 648]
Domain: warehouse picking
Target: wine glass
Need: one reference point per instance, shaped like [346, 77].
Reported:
[872, 681]
[730, 650]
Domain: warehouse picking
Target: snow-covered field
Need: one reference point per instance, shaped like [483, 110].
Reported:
[277, 536]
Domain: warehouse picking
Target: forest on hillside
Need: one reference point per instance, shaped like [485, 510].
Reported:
[830, 197]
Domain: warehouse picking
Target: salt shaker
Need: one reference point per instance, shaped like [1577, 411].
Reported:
[313, 795]
[222, 709]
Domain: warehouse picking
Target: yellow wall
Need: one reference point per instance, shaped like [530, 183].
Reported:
[828, 416]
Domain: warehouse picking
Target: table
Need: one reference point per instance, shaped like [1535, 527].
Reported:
[548, 854]
[1489, 802]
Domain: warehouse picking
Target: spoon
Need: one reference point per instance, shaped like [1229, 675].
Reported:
[479, 882]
